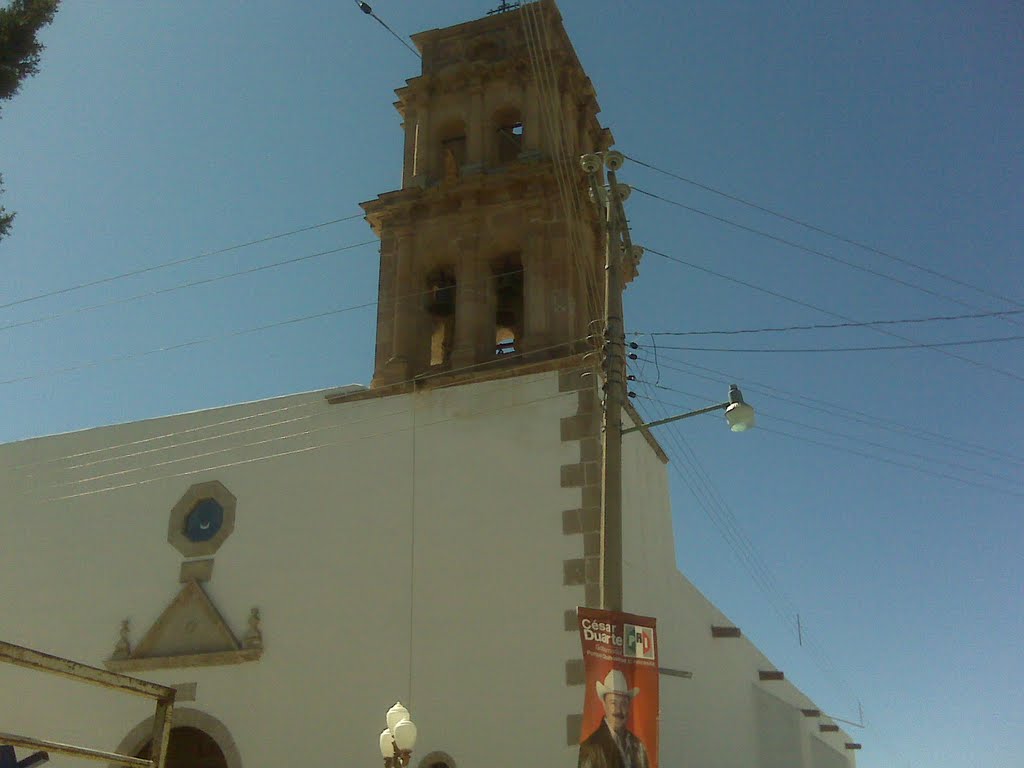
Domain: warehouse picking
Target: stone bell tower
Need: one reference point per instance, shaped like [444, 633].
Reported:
[490, 252]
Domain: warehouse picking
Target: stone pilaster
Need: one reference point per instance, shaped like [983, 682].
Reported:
[582, 522]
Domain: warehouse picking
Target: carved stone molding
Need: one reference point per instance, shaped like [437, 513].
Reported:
[189, 633]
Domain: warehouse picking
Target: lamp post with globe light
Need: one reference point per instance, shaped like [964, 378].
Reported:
[398, 739]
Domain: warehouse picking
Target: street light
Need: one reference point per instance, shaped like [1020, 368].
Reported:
[738, 413]
[398, 739]
[618, 248]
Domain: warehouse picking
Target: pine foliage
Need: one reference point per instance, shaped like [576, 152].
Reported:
[20, 49]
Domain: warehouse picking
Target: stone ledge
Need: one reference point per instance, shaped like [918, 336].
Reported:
[216, 659]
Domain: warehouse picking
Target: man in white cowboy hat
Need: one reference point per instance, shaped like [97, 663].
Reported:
[612, 745]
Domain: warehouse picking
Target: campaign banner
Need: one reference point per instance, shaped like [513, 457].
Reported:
[620, 707]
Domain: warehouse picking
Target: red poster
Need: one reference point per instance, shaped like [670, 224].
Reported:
[620, 708]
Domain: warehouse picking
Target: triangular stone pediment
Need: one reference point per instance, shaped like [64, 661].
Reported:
[189, 625]
[190, 632]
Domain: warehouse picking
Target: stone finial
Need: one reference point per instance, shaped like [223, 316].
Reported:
[123, 649]
[253, 638]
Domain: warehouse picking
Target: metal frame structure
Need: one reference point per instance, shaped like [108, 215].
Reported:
[43, 662]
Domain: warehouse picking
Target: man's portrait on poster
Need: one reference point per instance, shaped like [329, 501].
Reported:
[612, 745]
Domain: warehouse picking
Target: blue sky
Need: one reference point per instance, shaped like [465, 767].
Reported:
[162, 131]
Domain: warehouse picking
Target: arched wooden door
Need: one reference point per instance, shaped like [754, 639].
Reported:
[190, 748]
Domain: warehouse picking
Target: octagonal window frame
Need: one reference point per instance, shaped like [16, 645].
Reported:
[198, 492]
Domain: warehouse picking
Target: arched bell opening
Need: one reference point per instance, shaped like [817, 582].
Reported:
[452, 149]
[508, 312]
[440, 307]
[508, 138]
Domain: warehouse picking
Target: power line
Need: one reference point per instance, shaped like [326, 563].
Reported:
[828, 326]
[893, 462]
[753, 564]
[833, 235]
[915, 345]
[183, 345]
[365, 8]
[218, 337]
[266, 457]
[182, 286]
[175, 262]
[538, 44]
[418, 379]
[233, 448]
[809, 402]
[946, 352]
[153, 438]
[845, 436]
[710, 500]
[813, 251]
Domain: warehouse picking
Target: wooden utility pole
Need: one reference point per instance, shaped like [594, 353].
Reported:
[617, 247]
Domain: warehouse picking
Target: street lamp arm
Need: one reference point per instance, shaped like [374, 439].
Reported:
[659, 422]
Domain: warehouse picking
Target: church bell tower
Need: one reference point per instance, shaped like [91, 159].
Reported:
[491, 252]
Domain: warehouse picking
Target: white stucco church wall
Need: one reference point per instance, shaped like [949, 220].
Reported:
[368, 539]
[404, 547]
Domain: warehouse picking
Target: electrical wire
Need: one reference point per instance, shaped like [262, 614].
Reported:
[238, 447]
[304, 449]
[834, 410]
[182, 286]
[365, 8]
[879, 348]
[845, 436]
[713, 504]
[833, 235]
[538, 44]
[748, 557]
[762, 415]
[728, 526]
[939, 350]
[173, 263]
[829, 326]
[812, 251]
[154, 438]
[893, 462]
[419, 379]
[217, 337]
[182, 345]
[745, 284]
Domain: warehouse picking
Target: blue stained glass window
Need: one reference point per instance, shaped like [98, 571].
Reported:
[204, 520]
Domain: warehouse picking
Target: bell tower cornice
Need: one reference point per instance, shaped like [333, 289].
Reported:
[525, 185]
